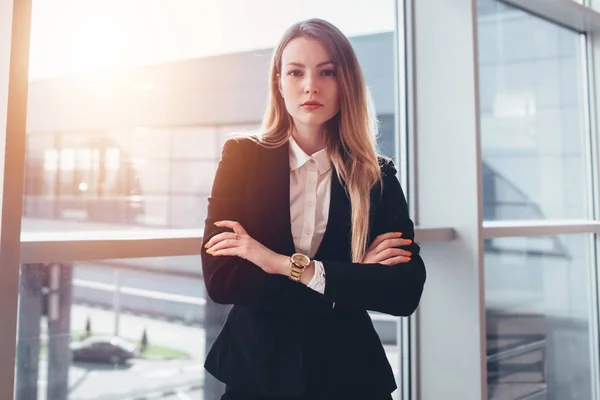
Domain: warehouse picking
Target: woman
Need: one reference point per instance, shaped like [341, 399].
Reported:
[308, 229]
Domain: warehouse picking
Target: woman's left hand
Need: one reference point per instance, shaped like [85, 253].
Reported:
[239, 243]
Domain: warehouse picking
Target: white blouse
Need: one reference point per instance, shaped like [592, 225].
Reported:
[310, 195]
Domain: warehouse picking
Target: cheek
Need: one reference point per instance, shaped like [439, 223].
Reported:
[288, 98]
[287, 91]
[289, 86]
[336, 98]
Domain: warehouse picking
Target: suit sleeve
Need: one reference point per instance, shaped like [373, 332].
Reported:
[394, 290]
[233, 280]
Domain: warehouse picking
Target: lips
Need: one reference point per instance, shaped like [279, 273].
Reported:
[312, 103]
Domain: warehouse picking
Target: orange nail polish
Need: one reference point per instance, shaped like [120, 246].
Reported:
[399, 233]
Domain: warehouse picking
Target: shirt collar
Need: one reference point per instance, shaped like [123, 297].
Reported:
[298, 158]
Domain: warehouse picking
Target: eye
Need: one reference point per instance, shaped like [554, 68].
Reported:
[295, 72]
[328, 72]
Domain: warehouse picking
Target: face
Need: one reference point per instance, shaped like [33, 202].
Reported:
[308, 82]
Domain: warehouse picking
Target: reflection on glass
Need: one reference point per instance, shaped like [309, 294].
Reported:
[139, 178]
[532, 107]
[538, 309]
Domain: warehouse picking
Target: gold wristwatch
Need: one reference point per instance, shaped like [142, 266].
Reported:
[299, 263]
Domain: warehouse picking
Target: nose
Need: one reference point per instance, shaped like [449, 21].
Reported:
[311, 86]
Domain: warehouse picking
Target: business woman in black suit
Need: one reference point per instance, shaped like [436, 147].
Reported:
[308, 229]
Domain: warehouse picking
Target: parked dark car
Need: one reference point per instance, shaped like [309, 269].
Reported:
[110, 350]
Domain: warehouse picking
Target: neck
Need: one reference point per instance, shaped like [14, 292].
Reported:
[310, 139]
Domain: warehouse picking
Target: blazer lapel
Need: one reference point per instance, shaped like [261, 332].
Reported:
[335, 243]
[275, 191]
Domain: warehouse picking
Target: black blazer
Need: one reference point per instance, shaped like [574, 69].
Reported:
[282, 339]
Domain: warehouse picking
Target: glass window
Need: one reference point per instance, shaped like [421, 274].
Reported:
[153, 175]
[145, 143]
[195, 143]
[193, 177]
[539, 316]
[188, 211]
[134, 111]
[127, 108]
[43, 163]
[111, 329]
[94, 302]
[532, 107]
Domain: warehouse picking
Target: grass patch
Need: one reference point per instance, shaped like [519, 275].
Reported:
[159, 351]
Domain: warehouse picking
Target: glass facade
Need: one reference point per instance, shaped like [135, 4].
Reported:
[539, 316]
[535, 153]
[532, 109]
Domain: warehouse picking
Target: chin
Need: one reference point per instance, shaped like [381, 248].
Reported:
[314, 120]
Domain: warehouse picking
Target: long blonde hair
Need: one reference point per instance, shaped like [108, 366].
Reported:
[350, 137]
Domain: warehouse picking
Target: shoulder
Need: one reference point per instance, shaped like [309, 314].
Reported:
[387, 166]
[390, 193]
[241, 145]
[388, 181]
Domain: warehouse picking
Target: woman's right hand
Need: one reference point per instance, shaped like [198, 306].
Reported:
[385, 250]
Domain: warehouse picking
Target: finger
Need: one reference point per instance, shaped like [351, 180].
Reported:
[232, 251]
[383, 237]
[392, 252]
[234, 225]
[224, 244]
[396, 242]
[220, 237]
[395, 260]
[373, 255]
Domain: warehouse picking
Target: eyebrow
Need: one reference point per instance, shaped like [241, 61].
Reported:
[318, 65]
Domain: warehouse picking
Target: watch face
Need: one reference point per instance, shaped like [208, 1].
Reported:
[300, 260]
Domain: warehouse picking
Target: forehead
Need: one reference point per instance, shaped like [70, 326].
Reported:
[309, 52]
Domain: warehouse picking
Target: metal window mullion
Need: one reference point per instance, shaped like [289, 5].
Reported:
[591, 127]
[13, 177]
[407, 335]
